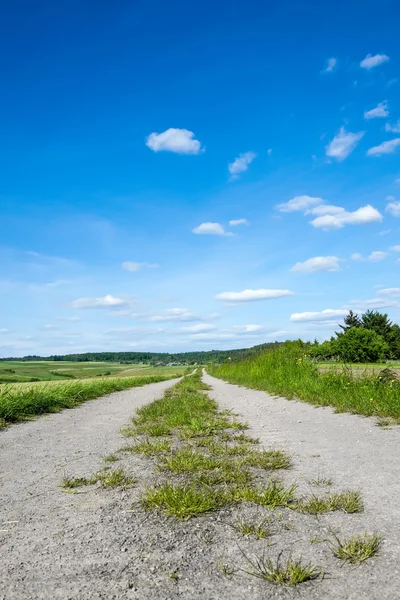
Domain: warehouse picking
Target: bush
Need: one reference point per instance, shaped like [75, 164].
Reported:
[361, 345]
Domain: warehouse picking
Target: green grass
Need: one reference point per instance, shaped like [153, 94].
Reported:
[46, 370]
[271, 496]
[288, 574]
[184, 500]
[358, 548]
[348, 502]
[23, 400]
[106, 478]
[149, 447]
[259, 530]
[289, 372]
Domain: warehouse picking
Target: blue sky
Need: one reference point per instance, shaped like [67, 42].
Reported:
[180, 176]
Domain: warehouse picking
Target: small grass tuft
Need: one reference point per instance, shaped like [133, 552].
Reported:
[356, 549]
[111, 458]
[259, 530]
[273, 495]
[74, 482]
[268, 460]
[321, 481]
[288, 574]
[149, 447]
[112, 479]
[349, 502]
[184, 500]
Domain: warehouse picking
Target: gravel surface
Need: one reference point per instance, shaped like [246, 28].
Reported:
[100, 544]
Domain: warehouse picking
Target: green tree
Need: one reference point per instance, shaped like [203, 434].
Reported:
[394, 341]
[378, 322]
[351, 320]
[361, 345]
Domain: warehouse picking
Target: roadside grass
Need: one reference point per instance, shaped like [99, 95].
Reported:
[289, 372]
[111, 479]
[289, 573]
[356, 549]
[22, 401]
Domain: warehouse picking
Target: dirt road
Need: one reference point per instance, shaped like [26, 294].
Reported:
[95, 544]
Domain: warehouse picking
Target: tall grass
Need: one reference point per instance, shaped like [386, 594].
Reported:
[289, 372]
[19, 401]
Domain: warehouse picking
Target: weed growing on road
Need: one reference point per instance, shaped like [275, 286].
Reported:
[289, 573]
[259, 530]
[111, 458]
[184, 500]
[356, 549]
[106, 478]
[321, 481]
[149, 447]
[349, 502]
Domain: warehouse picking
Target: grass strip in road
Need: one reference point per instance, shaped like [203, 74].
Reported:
[289, 372]
[21, 401]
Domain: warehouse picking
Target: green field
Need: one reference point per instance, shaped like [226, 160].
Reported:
[29, 371]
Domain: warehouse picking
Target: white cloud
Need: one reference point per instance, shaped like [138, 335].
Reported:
[373, 61]
[361, 216]
[135, 331]
[136, 266]
[395, 248]
[397, 181]
[323, 315]
[356, 256]
[377, 112]
[241, 164]
[331, 64]
[213, 336]
[210, 229]
[3, 330]
[393, 128]
[236, 222]
[384, 148]
[343, 144]
[393, 208]
[269, 151]
[390, 292]
[71, 319]
[199, 328]
[299, 203]
[252, 295]
[318, 263]
[325, 209]
[174, 314]
[105, 302]
[180, 141]
[248, 328]
[377, 256]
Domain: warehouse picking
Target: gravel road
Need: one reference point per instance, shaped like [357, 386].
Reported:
[95, 544]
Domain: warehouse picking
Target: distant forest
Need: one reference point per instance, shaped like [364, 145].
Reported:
[153, 358]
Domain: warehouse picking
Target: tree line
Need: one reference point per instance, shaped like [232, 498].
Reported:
[370, 337]
[153, 358]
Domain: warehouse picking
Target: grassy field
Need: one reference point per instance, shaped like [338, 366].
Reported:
[289, 372]
[20, 401]
[24, 371]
